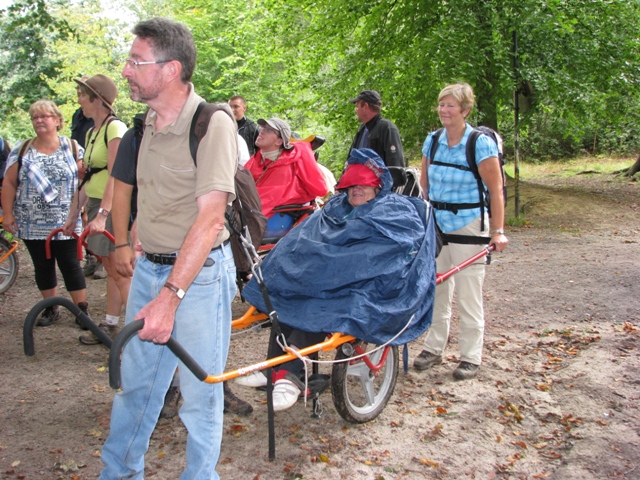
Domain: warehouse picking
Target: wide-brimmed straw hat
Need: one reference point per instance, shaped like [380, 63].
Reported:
[102, 86]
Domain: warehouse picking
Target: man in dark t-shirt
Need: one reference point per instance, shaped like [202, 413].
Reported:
[124, 169]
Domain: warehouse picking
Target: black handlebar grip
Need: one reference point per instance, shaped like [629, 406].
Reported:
[115, 379]
[32, 317]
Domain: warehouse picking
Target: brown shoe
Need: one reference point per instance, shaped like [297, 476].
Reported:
[90, 265]
[171, 401]
[465, 371]
[233, 404]
[426, 360]
[100, 272]
[91, 339]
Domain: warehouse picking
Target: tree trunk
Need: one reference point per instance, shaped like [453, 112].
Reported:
[486, 90]
[635, 168]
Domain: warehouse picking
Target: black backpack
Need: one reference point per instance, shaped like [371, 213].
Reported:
[246, 209]
[484, 197]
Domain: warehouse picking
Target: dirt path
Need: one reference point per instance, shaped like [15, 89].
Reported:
[557, 397]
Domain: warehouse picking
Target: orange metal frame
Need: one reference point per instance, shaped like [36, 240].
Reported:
[251, 316]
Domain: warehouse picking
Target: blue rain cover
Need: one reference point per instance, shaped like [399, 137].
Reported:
[362, 271]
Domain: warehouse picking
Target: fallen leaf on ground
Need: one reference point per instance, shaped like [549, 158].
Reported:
[429, 463]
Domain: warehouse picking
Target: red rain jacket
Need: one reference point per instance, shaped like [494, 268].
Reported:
[293, 179]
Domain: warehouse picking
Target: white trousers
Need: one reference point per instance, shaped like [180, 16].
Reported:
[468, 287]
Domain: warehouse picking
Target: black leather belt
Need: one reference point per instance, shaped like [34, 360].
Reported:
[170, 258]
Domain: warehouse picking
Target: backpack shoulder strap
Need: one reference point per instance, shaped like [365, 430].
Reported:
[24, 148]
[26, 145]
[139, 124]
[106, 128]
[470, 152]
[434, 144]
[200, 124]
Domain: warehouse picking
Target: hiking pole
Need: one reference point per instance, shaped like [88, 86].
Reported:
[441, 277]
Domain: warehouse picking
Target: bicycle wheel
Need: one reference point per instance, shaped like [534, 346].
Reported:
[360, 393]
[8, 267]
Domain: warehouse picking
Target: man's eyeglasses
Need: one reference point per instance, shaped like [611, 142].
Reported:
[130, 62]
[35, 118]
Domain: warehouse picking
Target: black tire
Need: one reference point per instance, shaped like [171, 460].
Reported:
[8, 267]
[358, 395]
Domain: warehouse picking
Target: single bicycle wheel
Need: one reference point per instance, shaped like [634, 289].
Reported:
[359, 393]
[8, 267]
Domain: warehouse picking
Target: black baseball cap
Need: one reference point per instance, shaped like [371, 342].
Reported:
[370, 96]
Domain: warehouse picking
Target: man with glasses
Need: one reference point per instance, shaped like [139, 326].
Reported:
[285, 173]
[183, 282]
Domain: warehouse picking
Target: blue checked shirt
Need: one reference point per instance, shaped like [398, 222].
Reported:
[452, 185]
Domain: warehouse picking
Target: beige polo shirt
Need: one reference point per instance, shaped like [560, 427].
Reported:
[169, 182]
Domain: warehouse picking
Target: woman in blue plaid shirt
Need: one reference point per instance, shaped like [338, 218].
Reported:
[453, 189]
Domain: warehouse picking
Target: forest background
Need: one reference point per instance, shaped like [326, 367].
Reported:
[576, 77]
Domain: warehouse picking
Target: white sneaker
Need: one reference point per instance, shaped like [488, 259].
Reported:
[253, 380]
[285, 394]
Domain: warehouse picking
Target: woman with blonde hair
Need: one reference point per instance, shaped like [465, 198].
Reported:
[453, 192]
[40, 180]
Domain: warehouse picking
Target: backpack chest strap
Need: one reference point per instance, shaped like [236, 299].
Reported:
[452, 165]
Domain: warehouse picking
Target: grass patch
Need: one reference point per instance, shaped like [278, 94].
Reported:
[568, 168]
[517, 221]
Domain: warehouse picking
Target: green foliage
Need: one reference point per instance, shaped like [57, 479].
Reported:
[100, 47]
[27, 29]
[303, 60]
[63, 42]
[581, 56]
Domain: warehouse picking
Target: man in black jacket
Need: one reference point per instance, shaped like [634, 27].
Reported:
[247, 129]
[376, 133]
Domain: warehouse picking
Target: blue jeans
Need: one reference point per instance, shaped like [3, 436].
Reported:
[203, 327]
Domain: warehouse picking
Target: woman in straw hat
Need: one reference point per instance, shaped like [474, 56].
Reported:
[96, 96]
